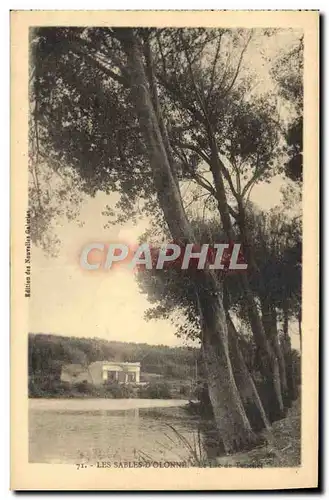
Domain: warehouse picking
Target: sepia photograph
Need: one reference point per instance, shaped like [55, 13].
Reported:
[162, 266]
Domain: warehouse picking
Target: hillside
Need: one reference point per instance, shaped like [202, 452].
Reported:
[48, 353]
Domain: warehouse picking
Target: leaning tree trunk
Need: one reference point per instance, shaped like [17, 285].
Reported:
[231, 420]
[268, 362]
[272, 363]
[269, 365]
[248, 392]
[229, 412]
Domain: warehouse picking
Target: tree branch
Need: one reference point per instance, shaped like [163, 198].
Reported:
[238, 66]
[253, 180]
[227, 177]
[79, 47]
[213, 72]
[194, 148]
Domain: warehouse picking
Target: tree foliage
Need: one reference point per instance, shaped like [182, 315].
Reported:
[288, 72]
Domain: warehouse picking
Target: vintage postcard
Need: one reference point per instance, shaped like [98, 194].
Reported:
[164, 246]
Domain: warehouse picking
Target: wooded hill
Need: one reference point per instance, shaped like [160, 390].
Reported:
[48, 353]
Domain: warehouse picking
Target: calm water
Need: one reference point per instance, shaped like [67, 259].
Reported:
[91, 430]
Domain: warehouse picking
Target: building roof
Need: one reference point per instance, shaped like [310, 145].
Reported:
[75, 369]
[113, 362]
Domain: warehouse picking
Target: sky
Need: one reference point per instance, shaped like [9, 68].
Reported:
[67, 300]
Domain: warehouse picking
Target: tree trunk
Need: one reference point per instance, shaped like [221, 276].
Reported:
[230, 417]
[300, 327]
[291, 376]
[229, 413]
[268, 361]
[270, 324]
[269, 366]
[248, 392]
[268, 338]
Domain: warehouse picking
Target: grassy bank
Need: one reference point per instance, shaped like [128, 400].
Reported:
[50, 388]
[281, 446]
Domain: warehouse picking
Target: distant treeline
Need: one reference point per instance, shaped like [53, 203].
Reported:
[181, 367]
[48, 353]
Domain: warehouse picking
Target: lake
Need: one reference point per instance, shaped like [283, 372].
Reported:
[93, 430]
